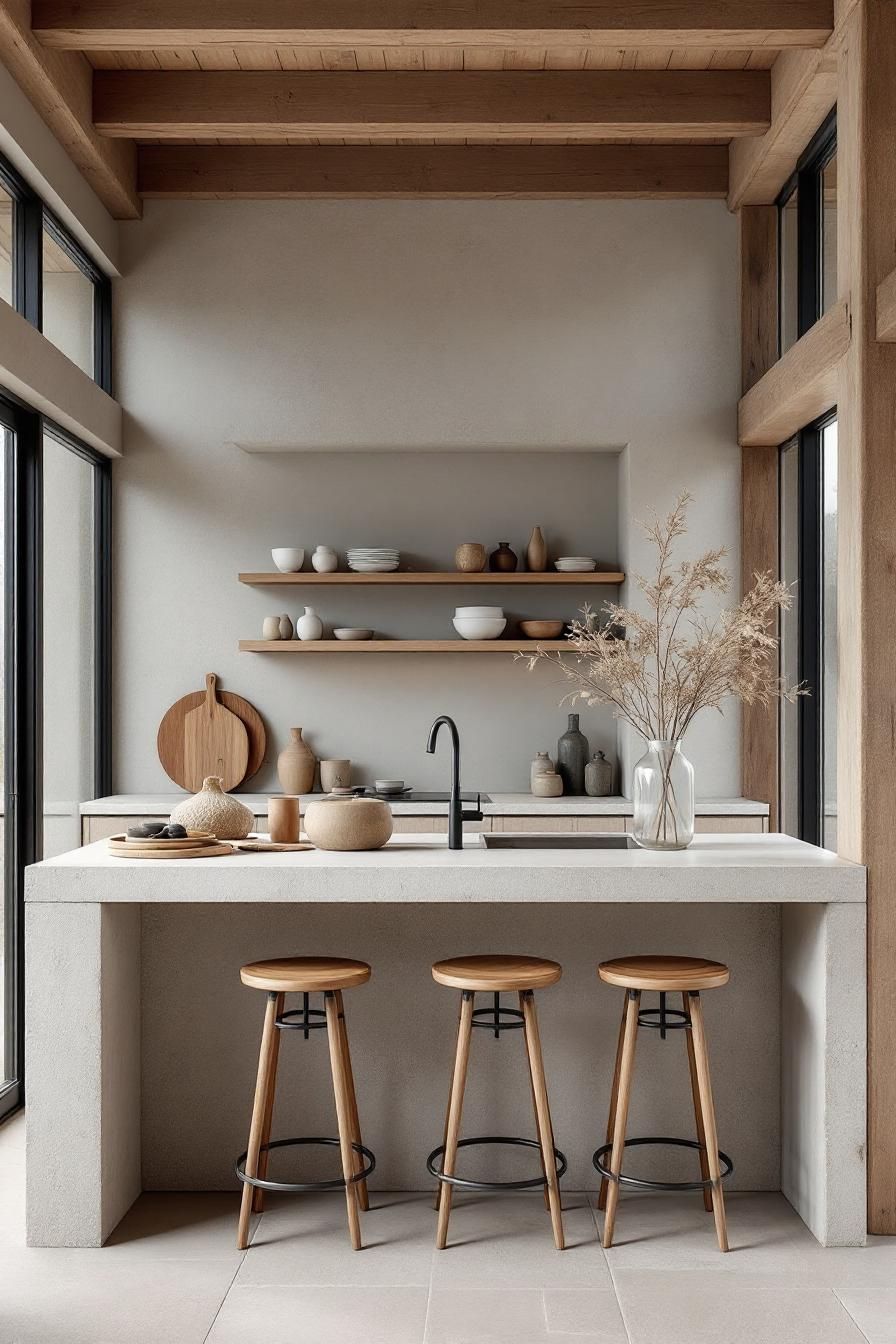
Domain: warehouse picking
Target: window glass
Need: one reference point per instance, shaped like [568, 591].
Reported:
[7, 221]
[830, 656]
[67, 304]
[790, 667]
[789, 272]
[68, 638]
[7, 913]
[829, 235]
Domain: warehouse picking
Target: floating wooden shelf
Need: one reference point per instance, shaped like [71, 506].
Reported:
[400, 577]
[400, 645]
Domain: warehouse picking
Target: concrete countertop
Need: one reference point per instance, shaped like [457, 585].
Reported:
[501, 805]
[416, 870]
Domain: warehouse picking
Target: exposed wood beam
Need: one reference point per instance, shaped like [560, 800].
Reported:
[607, 104]
[59, 84]
[800, 387]
[263, 171]
[803, 91]
[131, 24]
[886, 308]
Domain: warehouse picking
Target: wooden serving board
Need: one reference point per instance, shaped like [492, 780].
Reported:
[136, 851]
[171, 739]
[192, 840]
[269, 847]
[215, 742]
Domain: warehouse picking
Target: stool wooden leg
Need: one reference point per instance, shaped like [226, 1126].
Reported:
[620, 1118]
[698, 1110]
[455, 1109]
[439, 1187]
[543, 1113]
[709, 1117]
[257, 1194]
[614, 1093]
[360, 1186]
[343, 1115]
[544, 1170]
[265, 1060]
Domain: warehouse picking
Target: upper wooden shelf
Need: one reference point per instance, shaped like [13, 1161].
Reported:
[402, 645]
[453, 577]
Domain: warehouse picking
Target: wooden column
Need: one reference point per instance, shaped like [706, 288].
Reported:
[759, 478]
[866, 756]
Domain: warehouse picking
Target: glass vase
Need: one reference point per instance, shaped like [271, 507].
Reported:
[663, 793]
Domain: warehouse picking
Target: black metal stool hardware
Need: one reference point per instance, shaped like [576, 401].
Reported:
[664, 1019]
[537, 1182]
[299, 1019]
[296, 1187]
[498, 1018]
[605, 1171]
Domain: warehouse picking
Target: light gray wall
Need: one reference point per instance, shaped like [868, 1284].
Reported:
[470, 326]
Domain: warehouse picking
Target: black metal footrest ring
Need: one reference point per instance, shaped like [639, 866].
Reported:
[536, 1183]
[498, 1020]
[664, 1019]
[300, 1019]
[296, 1187]
[598, 1160]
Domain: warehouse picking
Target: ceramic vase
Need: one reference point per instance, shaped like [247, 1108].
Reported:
[542, 765]
[663, 796]
[295, 765]
[309, 626]
[503, 560]
[572, 754]
[271, 627]
[324, 560]
[469, 558]
[213, 810]
[537, 552]
[335, 775]
[286, 627]
[599, 776]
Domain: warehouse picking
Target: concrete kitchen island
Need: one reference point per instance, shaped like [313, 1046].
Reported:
[141, 1043]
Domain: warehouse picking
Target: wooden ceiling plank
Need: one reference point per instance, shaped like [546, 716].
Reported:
[610, 104]
[95, 24]
[594, 171]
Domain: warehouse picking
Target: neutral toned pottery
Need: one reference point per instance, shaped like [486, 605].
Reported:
[479, 611]
[284, 819]
[287, 630]
[295, 765]
[503, 560]
[572, 754]
[599, 776]
[547, 785]
[479, 627]
[348, 823]
[575, 564]
[542, 629]
[470, 557]
[335, 775]
[350, 632]
[542, 765]
[211, 809]
[271, 627]
[537, 552]
[309, 626]
[389, 785]
[288, 559]
[324, 559]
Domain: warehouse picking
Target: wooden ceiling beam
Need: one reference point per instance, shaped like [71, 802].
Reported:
[253, 172]
[140, 24]
[603, 104]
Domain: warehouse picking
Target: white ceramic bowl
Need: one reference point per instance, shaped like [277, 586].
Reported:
[479, 627]
[352, 632]
[288, 559]
[462, 613]
[388, 785]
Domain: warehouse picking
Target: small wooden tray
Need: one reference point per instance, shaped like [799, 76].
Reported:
[192, 840]
[269, 847]
[135, 850]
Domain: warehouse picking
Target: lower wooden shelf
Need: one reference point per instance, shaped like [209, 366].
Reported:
[400, 645]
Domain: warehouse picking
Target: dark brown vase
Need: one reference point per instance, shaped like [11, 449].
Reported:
[503, 560]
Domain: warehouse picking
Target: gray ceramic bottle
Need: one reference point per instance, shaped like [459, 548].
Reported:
[572, 755]
[599, 776]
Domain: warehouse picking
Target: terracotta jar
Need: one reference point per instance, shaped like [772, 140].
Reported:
[213, 810]
[295, 765]
[348, 823]
[503, 560]
[469, 558]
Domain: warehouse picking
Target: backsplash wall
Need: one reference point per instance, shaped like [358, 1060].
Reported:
[496, 326]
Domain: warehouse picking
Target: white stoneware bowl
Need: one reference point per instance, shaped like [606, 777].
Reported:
[352, 632]
[479, 627]
[463, 612]
[288, 559]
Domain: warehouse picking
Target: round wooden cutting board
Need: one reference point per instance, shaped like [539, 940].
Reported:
[172, 728]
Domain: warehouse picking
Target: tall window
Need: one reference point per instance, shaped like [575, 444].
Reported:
[807, 238]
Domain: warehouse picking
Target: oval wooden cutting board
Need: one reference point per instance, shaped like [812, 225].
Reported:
[171, 739]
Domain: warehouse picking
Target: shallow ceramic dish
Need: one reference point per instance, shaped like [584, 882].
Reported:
[463, 612]
[479, 627]
[352, 632]
[389, 785]
[288, 559]
[378, 567]
[542, 629]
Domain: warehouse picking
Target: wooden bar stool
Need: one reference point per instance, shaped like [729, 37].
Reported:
[305, 976]
[496, 975]
[664, 975]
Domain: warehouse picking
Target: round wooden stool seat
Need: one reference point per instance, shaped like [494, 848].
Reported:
[309, 975]
[497, 973]
[664, 974]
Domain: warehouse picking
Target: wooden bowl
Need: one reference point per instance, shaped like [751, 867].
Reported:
[542, 629]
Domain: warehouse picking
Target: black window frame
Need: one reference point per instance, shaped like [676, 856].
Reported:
[808, 182]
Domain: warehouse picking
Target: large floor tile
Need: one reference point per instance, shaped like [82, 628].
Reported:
[585, 1311]
[304, 1240]
[485, 1316]
[304, 1315]
[874, 1312]
[671, 1307]
[178, 1226]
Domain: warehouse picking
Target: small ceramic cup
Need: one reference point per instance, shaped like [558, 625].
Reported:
[271, 627]
[284, 819]
[335, 775]
[547, 785]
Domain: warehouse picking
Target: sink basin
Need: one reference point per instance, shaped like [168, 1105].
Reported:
[558, 841]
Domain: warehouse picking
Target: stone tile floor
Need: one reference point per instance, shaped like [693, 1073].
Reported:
[171, 1275]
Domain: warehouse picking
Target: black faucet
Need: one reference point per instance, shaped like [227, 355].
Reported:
[456, 815]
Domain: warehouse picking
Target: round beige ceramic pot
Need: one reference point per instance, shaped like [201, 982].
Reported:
[348, 823]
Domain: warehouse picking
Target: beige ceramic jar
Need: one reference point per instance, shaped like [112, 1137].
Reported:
[348, 823]
[215, 811]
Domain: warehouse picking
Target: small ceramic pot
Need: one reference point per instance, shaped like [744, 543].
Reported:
[309, 626]
[335, 775]
[599, 776]
[547, 785]
[286, 627]
[542, 765]
[469, 558]
[324, 560]
[284, 819]
[503, 560]
[271, 627]
[215, 811]
[348, 823]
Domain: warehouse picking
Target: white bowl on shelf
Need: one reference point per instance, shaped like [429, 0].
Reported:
[575, 564]
[352, 632]
[479, 627]
[495, 613]
[288, 559]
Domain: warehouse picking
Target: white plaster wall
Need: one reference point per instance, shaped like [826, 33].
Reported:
[434, 325]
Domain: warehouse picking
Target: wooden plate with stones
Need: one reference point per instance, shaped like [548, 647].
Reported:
[192, 840]
[198, 849]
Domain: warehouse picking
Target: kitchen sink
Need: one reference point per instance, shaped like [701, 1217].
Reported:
[557, 841]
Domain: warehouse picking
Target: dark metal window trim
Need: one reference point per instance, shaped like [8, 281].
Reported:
[808, 182]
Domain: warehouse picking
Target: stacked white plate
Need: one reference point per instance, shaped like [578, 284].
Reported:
[575, 564]
[373, 559]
